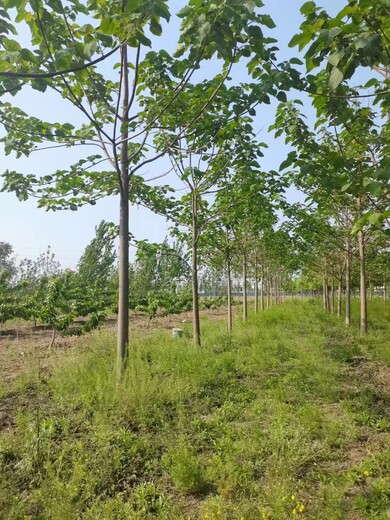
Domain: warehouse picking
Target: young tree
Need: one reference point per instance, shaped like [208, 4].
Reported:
[69, 42]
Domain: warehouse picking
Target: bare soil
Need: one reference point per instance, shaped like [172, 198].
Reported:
[26, 347]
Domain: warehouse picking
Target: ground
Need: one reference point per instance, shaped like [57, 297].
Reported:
[287, 418]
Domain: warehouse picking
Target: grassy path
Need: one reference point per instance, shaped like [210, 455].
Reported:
[288, 418]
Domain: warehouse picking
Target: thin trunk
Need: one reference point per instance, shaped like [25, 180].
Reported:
[384, 291]
[244, 292]
[327, 296]
[332, 306]
[262, 290]
[348, 281]
[195, 287]
[53, 338]
[363, 289]
[273, 290]
[268, 290]
[276, 290]
[324, 298]
[123, 269]
[256, 289]
[229, 300]
[339, 294]
[229, 287]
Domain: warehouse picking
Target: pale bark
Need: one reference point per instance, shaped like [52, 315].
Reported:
[363, 288]
[324, 295]
[339, 293]
[195, 286]
[262, 290]
[244, 291]
[123, 268]
[273, 290]
[229, 299]
[347, 281]
[256, 288]
[333, 295]
[268, 290]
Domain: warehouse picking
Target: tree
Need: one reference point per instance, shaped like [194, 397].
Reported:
[7, 264]
[64, 56]
[96, 264]
[357, 38]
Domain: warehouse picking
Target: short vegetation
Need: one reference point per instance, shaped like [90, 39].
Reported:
[288, 417]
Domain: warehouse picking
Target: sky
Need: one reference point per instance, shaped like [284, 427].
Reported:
[30, 229]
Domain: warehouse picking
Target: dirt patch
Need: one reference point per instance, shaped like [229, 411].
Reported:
[375, 375]
[12, 404]
[26, 347]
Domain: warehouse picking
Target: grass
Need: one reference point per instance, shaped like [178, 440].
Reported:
[287, 418]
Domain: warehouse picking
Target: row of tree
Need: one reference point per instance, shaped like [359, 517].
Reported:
[42, 292]
[153, 106]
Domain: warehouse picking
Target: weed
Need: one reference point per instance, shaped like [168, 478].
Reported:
[279, 420]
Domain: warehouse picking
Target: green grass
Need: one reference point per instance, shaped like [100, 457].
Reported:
[284, 419]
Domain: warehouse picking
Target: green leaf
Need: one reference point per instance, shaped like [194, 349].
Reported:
[336, 77]
[184, 12]
[334, 59]
[204, 31]
[56, 5]
[107, 26]
[250, 5]
[90, 49]
[375, 219]
[296, 61]
[179, 51]
[308, 8]
[291, 158]
[300, 40]
[155, 27]
[143, 39]
[373, 82]
[39, 84]
[267, 21]
[375, 188]
[131, 5]
[281, 96]
[9, 4]
[360, 43]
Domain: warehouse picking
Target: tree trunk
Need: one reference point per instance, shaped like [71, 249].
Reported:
[276, 290]
[273, 290]
[384, 291]
[256, 289]
[195, 287]
[363, 289]
[348, 281]
[333, 295]
[262, 290]
[324, 296]
[244, 292]
[268, 290]
[123, 269]
[229, 291]
[53, 338]
[339, 294]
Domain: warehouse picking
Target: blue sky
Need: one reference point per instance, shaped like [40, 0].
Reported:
[30, 230]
